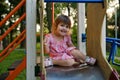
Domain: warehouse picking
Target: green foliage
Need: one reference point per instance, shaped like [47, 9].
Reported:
[45, 32]
[111, 21]
[3, 8]
[110, 33]
[74, 35]
[38, 38]
[38, 45]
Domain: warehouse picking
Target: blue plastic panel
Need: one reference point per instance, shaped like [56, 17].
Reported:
[80, 1]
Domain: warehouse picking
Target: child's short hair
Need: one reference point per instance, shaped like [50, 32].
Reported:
[61, 18]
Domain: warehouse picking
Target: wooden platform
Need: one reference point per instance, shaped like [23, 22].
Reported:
[14, 65]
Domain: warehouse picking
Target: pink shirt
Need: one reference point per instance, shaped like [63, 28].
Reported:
[59, 49]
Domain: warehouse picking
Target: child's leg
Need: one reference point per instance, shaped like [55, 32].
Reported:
[79, 55]
[68, 62]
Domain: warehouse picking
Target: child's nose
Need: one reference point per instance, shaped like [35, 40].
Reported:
[65, 27]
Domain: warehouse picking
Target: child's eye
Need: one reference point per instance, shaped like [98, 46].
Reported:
[62, 25]
[67, 26]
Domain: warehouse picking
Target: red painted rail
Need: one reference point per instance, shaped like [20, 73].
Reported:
[13, 26]
[19, 68]
[12, 12]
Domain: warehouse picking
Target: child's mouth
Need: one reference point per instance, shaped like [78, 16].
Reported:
[63, 31]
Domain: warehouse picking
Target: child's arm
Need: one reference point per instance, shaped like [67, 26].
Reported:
[46, 48]
[46, 44]
[69, 42]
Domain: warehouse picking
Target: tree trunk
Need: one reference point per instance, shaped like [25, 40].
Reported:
[68, 8]
[22, 27]
[49, 15]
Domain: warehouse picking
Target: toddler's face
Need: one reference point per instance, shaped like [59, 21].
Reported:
[62, 29]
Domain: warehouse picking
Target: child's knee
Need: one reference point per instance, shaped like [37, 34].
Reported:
[69, 62]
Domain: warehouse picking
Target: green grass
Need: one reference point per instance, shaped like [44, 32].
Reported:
[17, 54]
[116, 67]
[116, 60]
[14, 56]
[117, 53]
[21, 76]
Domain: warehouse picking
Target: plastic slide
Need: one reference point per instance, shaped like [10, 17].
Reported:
[73, 73]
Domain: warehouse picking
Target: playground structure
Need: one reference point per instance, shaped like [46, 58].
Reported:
[94, 48]
[114, 43]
